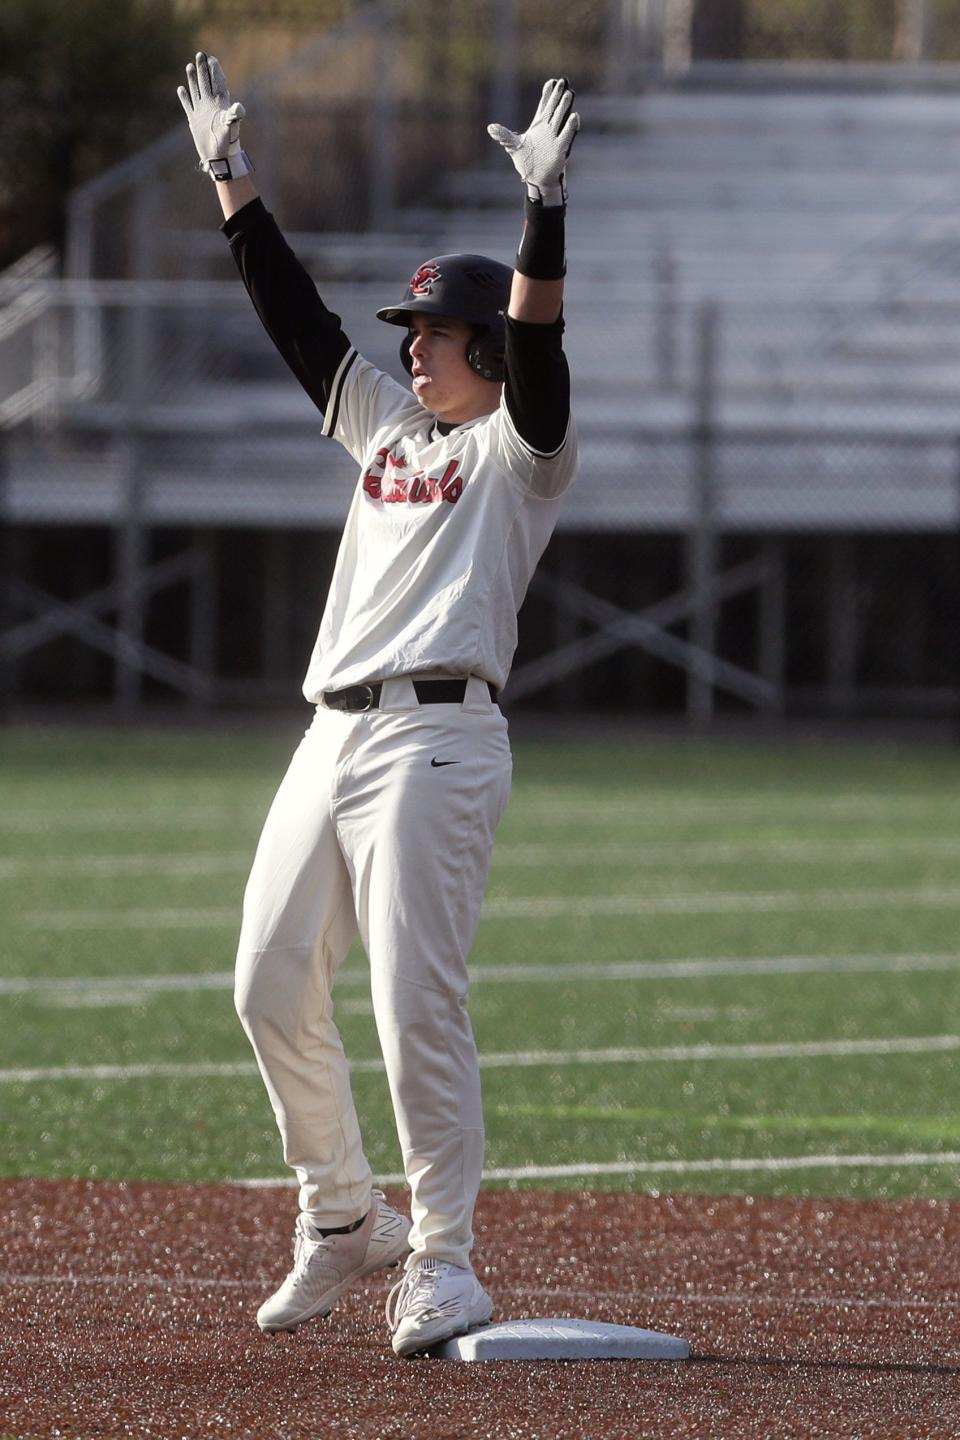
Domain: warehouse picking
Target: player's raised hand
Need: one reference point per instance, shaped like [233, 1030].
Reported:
[214, 122]
[540, 153]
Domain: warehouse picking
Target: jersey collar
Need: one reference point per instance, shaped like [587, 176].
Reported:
[440, 429]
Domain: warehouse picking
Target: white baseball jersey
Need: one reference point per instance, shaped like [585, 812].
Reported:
[443, 536]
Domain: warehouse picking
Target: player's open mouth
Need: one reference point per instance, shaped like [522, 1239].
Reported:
[420, 380]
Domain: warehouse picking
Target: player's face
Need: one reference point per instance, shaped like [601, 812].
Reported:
[443, 381]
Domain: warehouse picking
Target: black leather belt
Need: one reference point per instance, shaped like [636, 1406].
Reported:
[357, 698]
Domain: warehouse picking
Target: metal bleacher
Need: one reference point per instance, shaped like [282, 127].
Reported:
[826, 230]
[822, 228]
[763, 326]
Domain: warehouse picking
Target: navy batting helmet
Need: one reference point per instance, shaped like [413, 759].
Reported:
[462, 287]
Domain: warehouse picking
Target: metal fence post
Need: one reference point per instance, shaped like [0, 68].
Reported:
[130, 539]
[47, 346]
[10, 569]
[843, 624]
[635, 41]
[701, 539]
[772, 600]
[79, 265]
[911, 39]
[203, 616]
[677, 36]
[277, 601]
[953, 678]
[614, 44]
[667, 315]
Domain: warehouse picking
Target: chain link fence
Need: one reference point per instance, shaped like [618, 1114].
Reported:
[716, 527]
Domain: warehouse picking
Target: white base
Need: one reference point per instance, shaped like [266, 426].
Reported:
[561, 1340]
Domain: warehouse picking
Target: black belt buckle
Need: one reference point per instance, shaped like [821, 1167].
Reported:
[356, 699]
[360, 698]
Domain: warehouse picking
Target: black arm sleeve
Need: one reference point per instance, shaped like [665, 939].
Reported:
[306, 333]
[536, 388]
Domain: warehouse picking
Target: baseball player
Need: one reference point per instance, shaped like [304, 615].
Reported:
[384, 822]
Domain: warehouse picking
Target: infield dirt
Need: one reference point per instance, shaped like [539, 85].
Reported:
[129, 1311]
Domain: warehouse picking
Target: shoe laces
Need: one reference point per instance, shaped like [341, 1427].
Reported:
[416, 1289]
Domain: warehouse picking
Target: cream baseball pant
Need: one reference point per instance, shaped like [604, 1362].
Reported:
[383, 825]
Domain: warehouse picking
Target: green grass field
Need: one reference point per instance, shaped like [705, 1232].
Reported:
[702, 966]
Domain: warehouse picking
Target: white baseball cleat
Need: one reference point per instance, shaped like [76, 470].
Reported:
[433, 1302]
[324, 1266]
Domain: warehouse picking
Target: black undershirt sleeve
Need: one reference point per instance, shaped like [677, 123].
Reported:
[306, 333]
[537, 385]
[312, 342]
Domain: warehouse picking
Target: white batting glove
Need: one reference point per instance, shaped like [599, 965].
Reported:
[540, 153]
[214, 122]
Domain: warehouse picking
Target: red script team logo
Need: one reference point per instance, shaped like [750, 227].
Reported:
[391, 480]
[423, 282]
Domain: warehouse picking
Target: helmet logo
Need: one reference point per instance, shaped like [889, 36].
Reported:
[423, 281]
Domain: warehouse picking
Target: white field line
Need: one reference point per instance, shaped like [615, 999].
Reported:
[95, 867]
[168, 919]
[125, 995]
[139, 986]
[90, 999]
[186, 865]
[738, 1164]
[633, 802]
[713, 852]
[705, 903]
[543, 907]
[721, 1165]
[211, 1069]
[740, 1298]
[527, 1059]
[149, 818]
[107, 986]
[700, 968]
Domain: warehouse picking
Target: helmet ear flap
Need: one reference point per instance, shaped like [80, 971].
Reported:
[485, 354]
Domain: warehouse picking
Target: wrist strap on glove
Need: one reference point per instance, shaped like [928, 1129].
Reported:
[228, 167]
